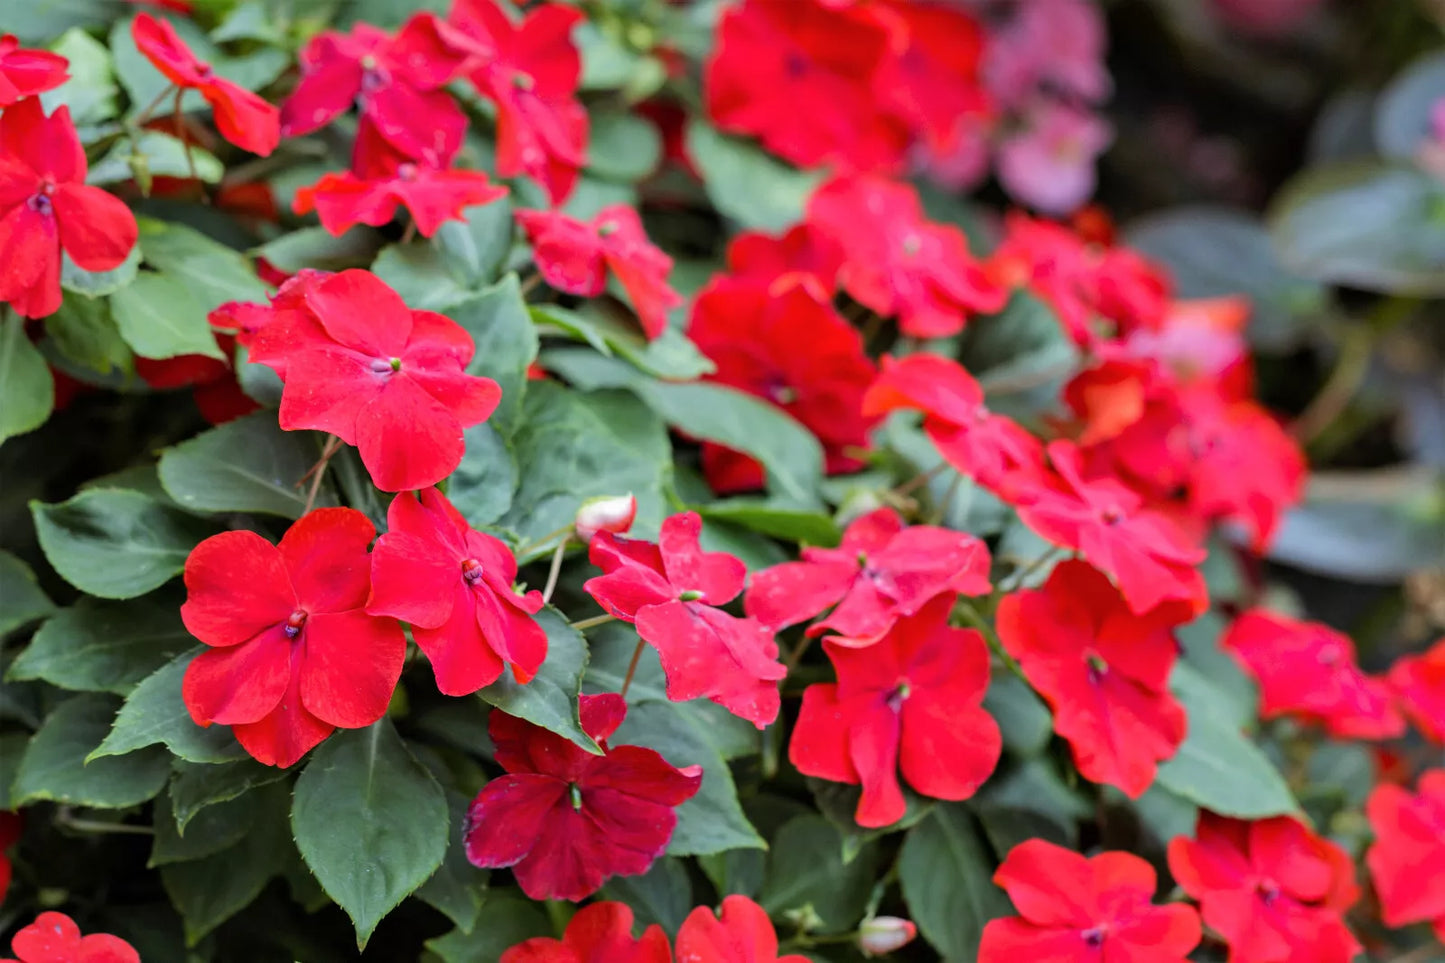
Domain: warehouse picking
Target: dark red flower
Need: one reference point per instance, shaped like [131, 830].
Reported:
[743, 934]
[242, 117]
[881, 571]
[599, 933]
[564, 819]
[454, 585]
[985, 446]
[784, 343]
[575, 256]
[1308, 670]
[1272, 889]
[397, 81]
[360, 364]
[1073, 909]
[1419, 684]
[804, 252]
[1409, 846]
[911, 702]
[531, 71]
[382, 178]
[798, 75]
[25, 73]
[294, 654]
[11, 823]
[670, 590]
[1103, 670]
[54, 938]
[217, 394]
[46, 207]
[1141, 550]
[897, 262]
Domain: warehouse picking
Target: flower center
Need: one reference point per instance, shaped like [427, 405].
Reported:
[406, 172]
[795, 64]
[294, 621]
[689, 595]
[204, 71]
[1098, 668]
[899, 695]
[385, 366]
[373, 75]
[1268, 891]
[1093, 937]
[575, 791]
[523, 80]
[606, 228]
[912, 245]
[471, 570]
[1112, 515]
[1329, 655]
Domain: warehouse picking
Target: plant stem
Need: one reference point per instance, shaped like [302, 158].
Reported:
[1351, 367]
[593, 622]
[971, 616]
[529, 283]
[179, 120]
[632, 667]
[318, 471]
[555, 570]
[64, 818]
[150, 108]
[791, 660]
[1017, 577]
[919, 480]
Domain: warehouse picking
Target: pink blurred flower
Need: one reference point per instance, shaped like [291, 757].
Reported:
[1050, 163]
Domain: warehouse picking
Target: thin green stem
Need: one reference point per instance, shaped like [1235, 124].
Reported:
[150, 108]
[593, 622]
[1351, 367]
[1017, 578]
[555, 570]
[973, 619]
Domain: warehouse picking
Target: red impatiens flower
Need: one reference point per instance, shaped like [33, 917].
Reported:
[785, 343]
[880, 572]
[1419, 684]
[54, 938]
[897, 262]
[217, 393]
[1073, 909]
[797, 74]
[531, 71]
[564, 819]
[933, 84]
[743, 934]
[1409, 846]
[360, 364]
[803, 252]
[1308, 670]
[1272, 888]
[1143, 551]
[911, 701]
[397, 81]
[983, 445]
[599, 933]
[383, 178]
[575, 256]
[243, 118]
[294, 654]
[670, 590]
[1103, 670]
[454, 585]
[46, 207]
[25, 73]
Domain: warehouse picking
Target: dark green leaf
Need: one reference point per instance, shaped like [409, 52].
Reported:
[370, 821]
[12, 751]
[216, 828]
[116, 544]
[745, 183]
[318, 248]
[622, 146]
[1029, 801]
[418, 272]
[1164, 815]
[213, 272]
[197, 786]
[246, 465]
[475, 249]
[662, 895]
[98, 284]
[27, 390]
[457, 888]
[39, 22]
[506, 342]
[779, 521]
[670, 356]
[806, 872]
[947, 875]
[483, 485]
[84, 333]
[1022, 716]
[504, 921]
[155, 712]
[550, 699]
[1022, 356]
[21, 599]
[91, 91]
[101, 646]
[838, 802]
[160, 317]
[55, 766]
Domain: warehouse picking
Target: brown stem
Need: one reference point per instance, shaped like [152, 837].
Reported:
[790, 662]
[150, 108]
[1350, 370]
[555, 570]
[632, 667]
[529, 283]
[318, 471]
[179, 120]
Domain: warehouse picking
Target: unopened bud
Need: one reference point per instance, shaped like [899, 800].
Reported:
[608, 513]
[884, 934]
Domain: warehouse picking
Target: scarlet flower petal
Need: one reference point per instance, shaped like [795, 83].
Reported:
[325, 552]
[408, 439]
[97, 229]
[29, 260]
[706, 652]
[25, 73]
[244, 118]
[743, 934]
[237, 585]
[240, 683]
[49, 146]
[54, 938]
[598, 933]
[287, 733]
[350, 665]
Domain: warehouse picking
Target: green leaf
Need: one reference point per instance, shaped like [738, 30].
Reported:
[1024, 720]
[838, 802]
[484, 483]
[27, 390]
[213, 272]
[84, 333]
[116, 544]
[779, 521]
[806, 869]
[789, 453]
[212, 831]
[100, 646]
[196, 786]
[91, 91]
[457, 888]
[318, 248]
[662, 895]
[21, 599]
[947, 874]
[506, 342]
[418, 272]
[550, 699]
[1029, 801]
[55, 768]
[474, 249]
[159, 317]
[246, 465]
[1364, 225]
[162, 156]
[572, 446]
[670, 356]
[745, 183]
[98, 284]
[370, 822]
[504, 921]
[1218, 768]
[622, 147]
[155, 712]
[1022, 356]
[12, 750]
[41, 21]
[1166, 816]
[1403, 110]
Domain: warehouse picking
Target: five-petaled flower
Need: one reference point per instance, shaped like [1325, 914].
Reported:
[742, 933]
[910, 702]
[1073, 909]
[293, 653]
[454, 586]
[46, 207]
[243, 118]
[55, 938]
[360, 364]
[1103, 669]
[1272, 888]
[599, 933]
[881, 571]
[25, 72]
[565, 819]
[670, 589]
